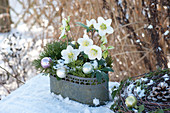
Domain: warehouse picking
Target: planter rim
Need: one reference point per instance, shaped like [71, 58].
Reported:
[81, 80]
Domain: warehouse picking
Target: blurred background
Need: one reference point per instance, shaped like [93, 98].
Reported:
[141, 34]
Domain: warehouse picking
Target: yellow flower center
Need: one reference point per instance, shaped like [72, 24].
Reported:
[103, 26]
[85, 43]
[70, 55]
[93, 52]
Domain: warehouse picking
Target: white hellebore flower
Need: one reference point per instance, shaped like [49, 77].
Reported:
[85, 42]
[63, 28]
[94, 52]
[70, 54]
[91, 22]
[103, 26]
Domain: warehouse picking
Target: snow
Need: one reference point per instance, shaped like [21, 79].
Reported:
[159, 48]
[166, 32]
[144, 79]
[143, 35]
[115, 85]
[96, 101]
[150, 83]
[150, 27]
[166, 77]
[129, 89]
[35, 97]
[138, 41]
[140, 92]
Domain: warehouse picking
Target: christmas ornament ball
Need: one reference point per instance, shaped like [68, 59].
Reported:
[45, 62]
[87, 68]
[131, 101]
[61, 72]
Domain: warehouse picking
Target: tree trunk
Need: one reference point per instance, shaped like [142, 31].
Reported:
[5, 19]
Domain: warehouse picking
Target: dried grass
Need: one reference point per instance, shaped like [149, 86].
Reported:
[131, 57]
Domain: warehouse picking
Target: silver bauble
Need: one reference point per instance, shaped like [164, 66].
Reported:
[87, 68]
[45, 62]
[61, 72]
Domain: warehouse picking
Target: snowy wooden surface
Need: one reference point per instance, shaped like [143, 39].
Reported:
[35, 97]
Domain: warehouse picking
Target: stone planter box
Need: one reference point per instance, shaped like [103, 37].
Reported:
[83, 90]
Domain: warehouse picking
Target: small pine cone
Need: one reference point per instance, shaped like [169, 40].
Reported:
[160, 93]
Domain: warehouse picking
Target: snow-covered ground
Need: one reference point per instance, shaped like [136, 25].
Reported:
[35, 97]
[28, 36]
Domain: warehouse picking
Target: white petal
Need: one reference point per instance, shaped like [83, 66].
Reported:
[109, 30]
[100, 20]
[63, 52]
[62, 34]
[66, 61]
[85, 36]
[85, 31]
[64, 23]
[99, 55]
[91, 57]
[80, 40]
[91, 42]
[69, 48]
[93, 21]
[74, 58]
[76, 52]
[87, 51]
[108, 22]
[97, 26]
[88, 23]
[81, 48]
[102, 32]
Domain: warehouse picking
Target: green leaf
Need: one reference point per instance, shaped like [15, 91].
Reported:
[81, 24]
[160, 111]
[110, 47]
[105, 76]
[114, 93]
[68, 19]
[107, 69]
[67, 28]
[104, 40]
[105, 53]
[92, 75]
[141, 108]
[101, 62]
[64, 37]
[85, 56]
[88, 30]
[103, 47]
[98, 76]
